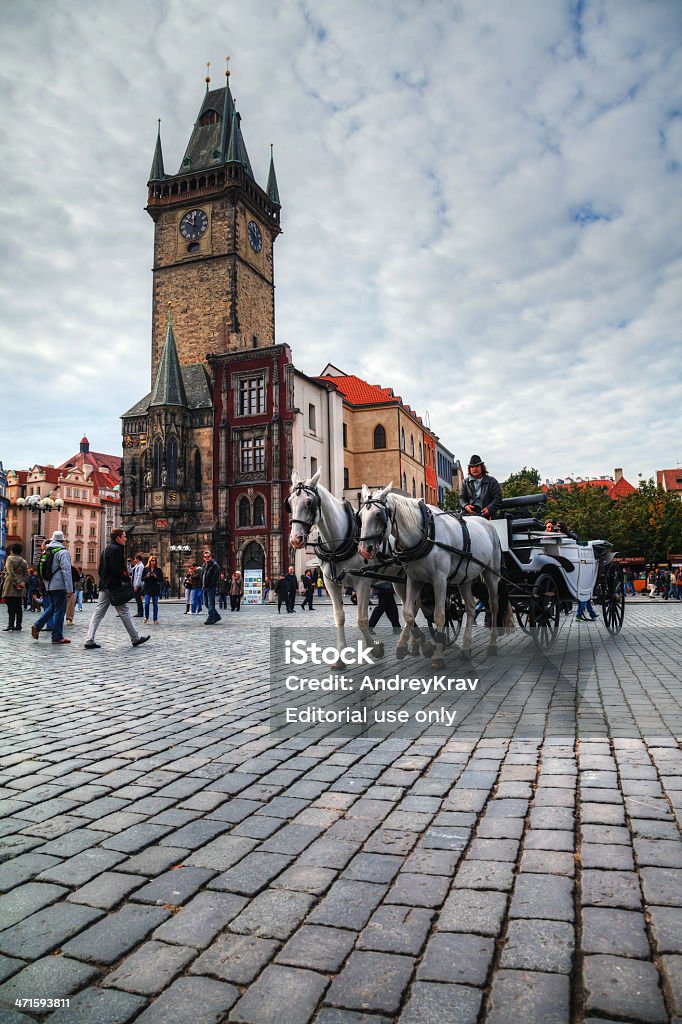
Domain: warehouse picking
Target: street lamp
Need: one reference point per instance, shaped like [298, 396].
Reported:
[34, 503]
[182, 550]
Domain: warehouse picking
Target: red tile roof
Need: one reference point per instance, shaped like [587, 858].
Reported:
[620, 489]
[358, 392]
[670, 479]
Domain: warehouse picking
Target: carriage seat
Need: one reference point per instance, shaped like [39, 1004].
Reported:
[526, 526]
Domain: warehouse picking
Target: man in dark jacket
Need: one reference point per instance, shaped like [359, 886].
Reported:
[210, 574]
[291, 584]
[481, 494]
[113, 574]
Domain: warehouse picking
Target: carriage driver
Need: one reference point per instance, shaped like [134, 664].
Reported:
[481, 494]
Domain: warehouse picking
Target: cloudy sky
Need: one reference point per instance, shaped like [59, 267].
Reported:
[481, 208]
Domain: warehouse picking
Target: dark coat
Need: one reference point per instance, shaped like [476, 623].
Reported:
[491, 494]
[210, 574]
[291, 582]
[113, 571]
[152, 580]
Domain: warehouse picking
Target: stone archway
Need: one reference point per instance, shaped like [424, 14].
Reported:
[253, 557]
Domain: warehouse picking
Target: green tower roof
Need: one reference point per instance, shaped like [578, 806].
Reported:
[272, 190]
[157, 172]
[168, 387]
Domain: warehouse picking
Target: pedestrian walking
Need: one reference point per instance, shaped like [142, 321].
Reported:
[151, 580]
[291, 588]
[223, 590]
[282, 592]
[307, 581]
[71, 598]
[386, 606]
[89, 590]
[55, 571]
[210, 575]
[15, 576]
[32, 588]
[266, 589]
[138, 589]
[320, 584]
[114, 584]
[78, 587]
[187, 587]
[630, 582]
[585, 606]
[197, 593]
[236, 591]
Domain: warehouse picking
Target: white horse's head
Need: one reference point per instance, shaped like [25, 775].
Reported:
[303, 506]
[375, 519]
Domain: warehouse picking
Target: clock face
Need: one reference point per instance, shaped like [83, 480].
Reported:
[193, 225]
[255, 237]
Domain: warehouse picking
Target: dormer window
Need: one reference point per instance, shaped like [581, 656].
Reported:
[209, 117]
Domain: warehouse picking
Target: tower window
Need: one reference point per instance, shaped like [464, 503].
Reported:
[311, 417]
[379, 436]
[209, 117]
[253, 455]
[172, 461]
[259, 511]
[412, 445]
[197, 472]
[244, 512]
[251, 396]
[158, 462]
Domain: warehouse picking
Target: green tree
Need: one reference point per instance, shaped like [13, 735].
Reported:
[586, 510]
[450, 501]
[649, 523]
[526, 481]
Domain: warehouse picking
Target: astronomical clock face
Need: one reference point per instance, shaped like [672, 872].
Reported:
[255, 236]
[193, 225]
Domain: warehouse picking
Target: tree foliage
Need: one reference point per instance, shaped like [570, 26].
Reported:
[450, 501]
[526, 481]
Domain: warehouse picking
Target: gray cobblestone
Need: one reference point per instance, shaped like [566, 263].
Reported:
[623, 988]
[191, 1001]
[444, 1004]
[26, 900]
[457, 959]
[45, 930]
[539, 946]
[371, 981]
[100, 1005]
[280, 996]
[200, 920]
[174, 887]
[150, 968]
[348, 904]
[235, 958]
[119, 932]
[58, 975]
[275, 914]
[529, 996]
[318, 948]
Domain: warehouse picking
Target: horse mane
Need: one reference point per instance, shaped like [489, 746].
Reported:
[409, 510]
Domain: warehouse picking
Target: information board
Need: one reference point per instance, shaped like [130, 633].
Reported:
[253, 586]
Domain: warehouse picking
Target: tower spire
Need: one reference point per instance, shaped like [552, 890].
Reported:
[169, 388]
[157, 172]
[208, 74]
[272, 190]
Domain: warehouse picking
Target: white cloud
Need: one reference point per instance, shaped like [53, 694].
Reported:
[480, 209]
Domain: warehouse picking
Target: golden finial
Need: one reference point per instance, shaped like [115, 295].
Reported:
[208, 72]
[227, 69]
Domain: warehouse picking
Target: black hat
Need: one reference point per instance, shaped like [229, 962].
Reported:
[475, 460]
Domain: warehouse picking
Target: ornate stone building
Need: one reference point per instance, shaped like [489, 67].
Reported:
[208, 452]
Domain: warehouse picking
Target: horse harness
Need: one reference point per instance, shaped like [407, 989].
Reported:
[347, 546]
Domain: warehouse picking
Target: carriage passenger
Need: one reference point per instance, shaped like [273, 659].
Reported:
[481, 493]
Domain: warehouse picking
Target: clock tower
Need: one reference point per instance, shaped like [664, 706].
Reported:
[214, 230]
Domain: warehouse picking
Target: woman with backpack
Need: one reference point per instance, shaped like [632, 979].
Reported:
[152, 579]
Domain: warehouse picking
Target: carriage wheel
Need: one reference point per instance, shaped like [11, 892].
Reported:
[522, 613]
[612, 599]
[543, 616]
[454, 613]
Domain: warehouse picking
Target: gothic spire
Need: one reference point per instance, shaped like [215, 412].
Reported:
[272, 190]
[169, 388]
[157, 172]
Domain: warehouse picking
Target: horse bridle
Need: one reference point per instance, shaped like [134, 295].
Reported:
[297, 491]
[386, 517]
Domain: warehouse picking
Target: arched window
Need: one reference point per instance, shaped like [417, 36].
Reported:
[404, 482]
[421, 459]
[197, 471]
[259, 511]
[209, 117]
[244, 511]
[158, 461]
[421, 490]
[414, 488]
[402, 438]
[253, 557]
[172, 461]
[379, 436]
[412, 445]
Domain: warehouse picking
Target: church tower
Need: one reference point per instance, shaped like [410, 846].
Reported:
[214, 230]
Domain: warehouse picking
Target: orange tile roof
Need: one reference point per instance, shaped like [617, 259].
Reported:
[615, 491]
[358, 392]
[670, 479]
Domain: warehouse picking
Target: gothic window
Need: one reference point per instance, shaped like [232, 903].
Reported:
[402, 438]
[251, 395]
[412, 445]
[253, 455]
[172, 461]
[404, 482]
[244, 512]
[346, 478]
[158, 462]
[421, 457]
[414, 488]
[209, 117]
[259, 511]
[379, 436]
[197, 471]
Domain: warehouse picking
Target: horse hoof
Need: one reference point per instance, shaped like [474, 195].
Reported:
[438, 663]
[378, 650]
[427, 650]
[338, 666]
[465, 655]
[493, 652]
[400, 653]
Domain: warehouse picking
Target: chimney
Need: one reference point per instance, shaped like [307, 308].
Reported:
[618, 474]
[85, 445]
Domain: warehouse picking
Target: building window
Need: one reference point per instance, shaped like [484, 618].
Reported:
[313, 465]
[251, 396]
[172, 461]
[346, 478]
[402, 438]
[209, 117]
[421, 457]
[93, 514]
[253, 455]
[79, 529]
[311, 417]
[345, 435]
[79, 555]
[91, 554]
[68, 492]
[412, 445]
[404, 482]
[259, 511]
[379, 436]
[244, 512]
[93, 531]
[158, 462]
[197, 472]
[414, 488]
[79, 513]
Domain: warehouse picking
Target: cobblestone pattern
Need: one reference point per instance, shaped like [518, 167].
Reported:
[163, 857]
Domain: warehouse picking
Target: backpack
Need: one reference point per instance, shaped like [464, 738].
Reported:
[46, 568]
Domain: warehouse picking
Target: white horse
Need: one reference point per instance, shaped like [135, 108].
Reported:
[434, 548]
[310, 504]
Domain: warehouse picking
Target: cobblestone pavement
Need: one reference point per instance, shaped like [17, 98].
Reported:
[166, 858]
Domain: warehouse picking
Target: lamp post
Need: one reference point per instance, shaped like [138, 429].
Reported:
[182, 550]
[34, 503]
